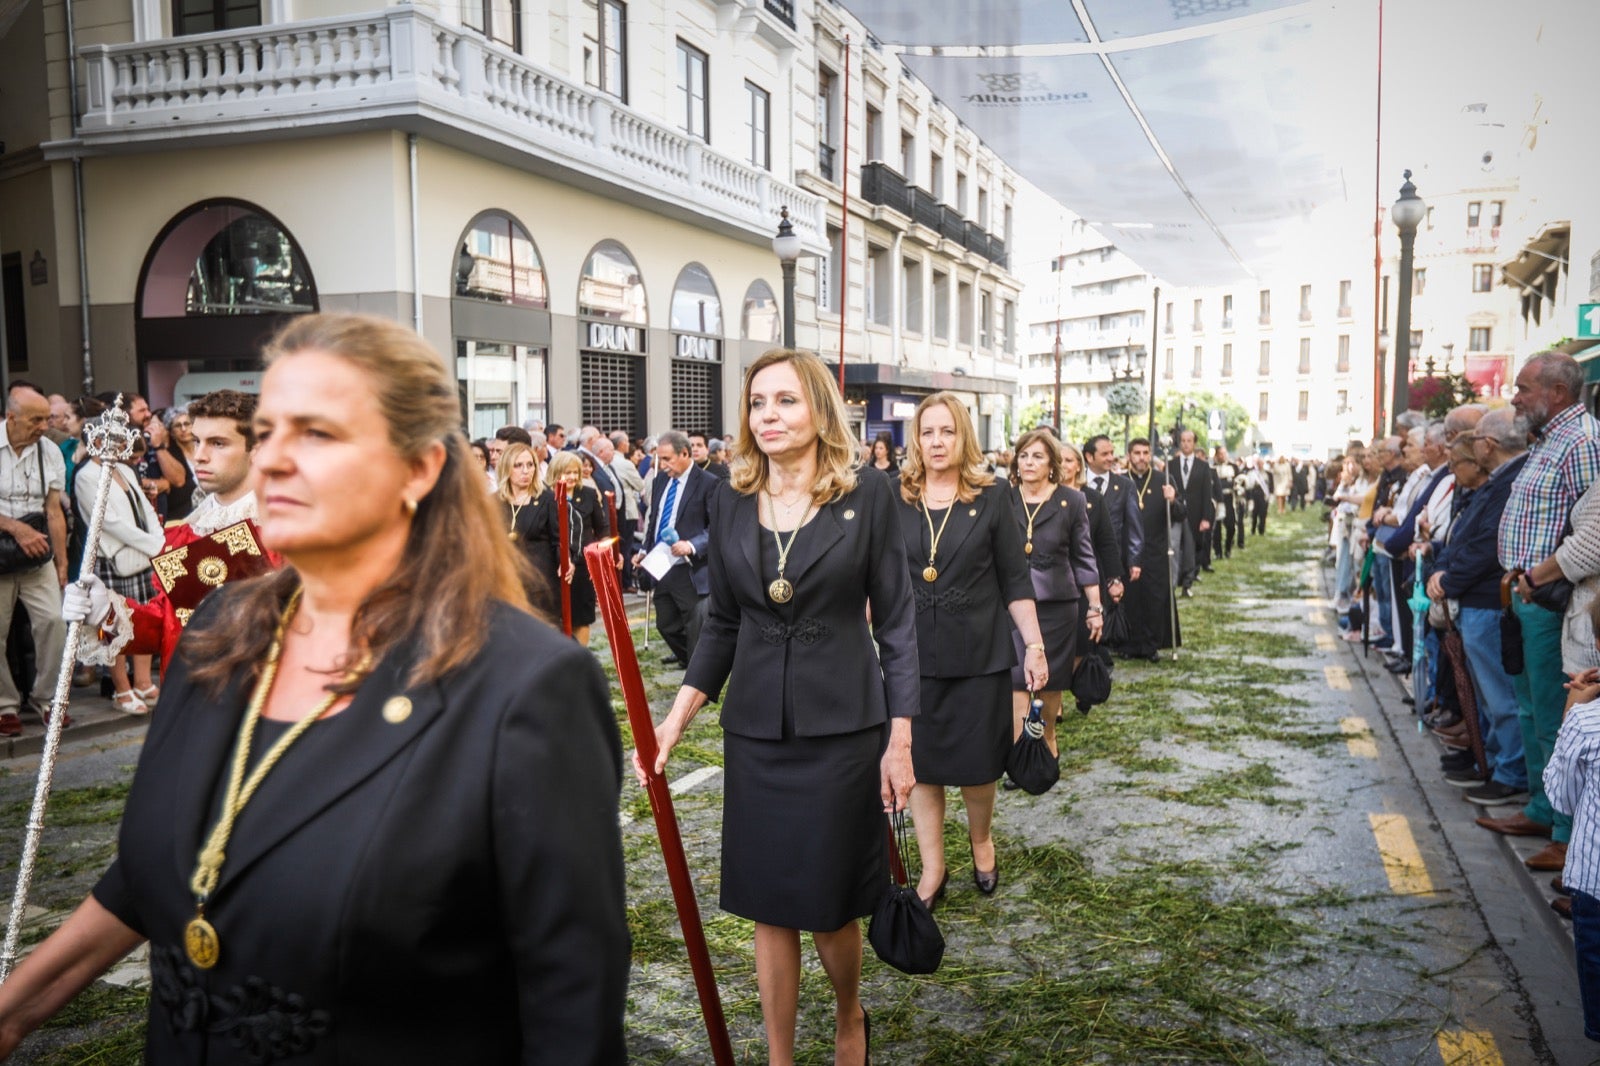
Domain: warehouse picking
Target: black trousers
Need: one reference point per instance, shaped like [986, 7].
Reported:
[679, 612]
[1225, 529]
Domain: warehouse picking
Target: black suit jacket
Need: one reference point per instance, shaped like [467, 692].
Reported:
[603, 481]
[962, 626]
[1107, 551]
[693, 522]
[1062, 561]
[1198, 492]
[1126, 524]
[443, 888]
[816, 653]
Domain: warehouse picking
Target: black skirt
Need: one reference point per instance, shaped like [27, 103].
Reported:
[803, 839]
[963, 732]
[1058, 625]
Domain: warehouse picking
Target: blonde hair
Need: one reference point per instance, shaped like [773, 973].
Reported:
[1081, 478]
[836, 449]
[502, 472]
[560, 464]
[969, 460]
[457, 560]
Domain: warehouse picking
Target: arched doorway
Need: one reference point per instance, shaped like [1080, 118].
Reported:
[612, 335]
[500, 320]
[221, 277]
[696, 352]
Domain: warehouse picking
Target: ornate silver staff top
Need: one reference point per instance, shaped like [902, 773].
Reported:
[109, 438]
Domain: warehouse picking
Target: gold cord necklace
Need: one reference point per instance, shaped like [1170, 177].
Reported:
[781, 590]
[1028, 547]
[930, 573]
[200, 941]
[516, 509]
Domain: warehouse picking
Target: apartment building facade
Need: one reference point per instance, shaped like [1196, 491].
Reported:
[573, 200]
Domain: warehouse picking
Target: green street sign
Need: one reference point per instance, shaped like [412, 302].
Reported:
[1589, 321]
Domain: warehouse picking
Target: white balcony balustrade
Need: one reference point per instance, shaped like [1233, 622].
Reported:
[400, 65]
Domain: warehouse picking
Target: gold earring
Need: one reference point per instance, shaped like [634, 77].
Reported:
[410, 506]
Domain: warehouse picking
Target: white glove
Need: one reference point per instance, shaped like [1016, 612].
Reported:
[85, 600]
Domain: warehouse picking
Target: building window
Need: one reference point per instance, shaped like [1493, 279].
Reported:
[1344, 299]
[1227, 360]
[874, 133]
[1166, 365]
[825, 90]
[1343, 402]
[1168, 328]
[1264, 368]
[828, 271]
[1305, 303]
[961, 194]
[1199, 355]
[1304, 410]
[16, 329]
[911, 296]
[694, 105]
[1227, 312]
[1419, 281]
[1008, 318]
[983, 209]
[1265, 315]
[1197, 325]
[879, 288]
[1261, 409]
[964, 313]
[1416, 342]
[1478, 339]
[1343, 365]
[1497, 211]
[1305, 355]
[1482, 277]
[760, 320]
[985, 323]
[936, 174]
[941, 305]
[209, 16]
[908, 156]
[759, 123]
[1474, 214]
[614, 48]
[498, 20]
[497, 262]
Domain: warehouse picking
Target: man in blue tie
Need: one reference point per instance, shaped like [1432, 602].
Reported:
[680, 502]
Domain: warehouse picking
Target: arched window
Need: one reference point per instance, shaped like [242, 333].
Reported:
[225, 258]
[611, 286]
[760, 320]
[498, 262]
[695, 305]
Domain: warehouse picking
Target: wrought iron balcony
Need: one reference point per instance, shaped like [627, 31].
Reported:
[883, 186]
[783, 9]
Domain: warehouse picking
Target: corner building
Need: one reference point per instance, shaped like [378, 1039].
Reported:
[574, 200]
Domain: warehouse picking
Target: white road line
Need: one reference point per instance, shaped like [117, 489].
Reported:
[688, 781]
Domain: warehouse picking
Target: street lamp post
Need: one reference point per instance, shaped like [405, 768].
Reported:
[786, 246]
[1132, 371]
[1407, 213]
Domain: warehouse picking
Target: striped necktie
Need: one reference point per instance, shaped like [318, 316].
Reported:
[665, 522]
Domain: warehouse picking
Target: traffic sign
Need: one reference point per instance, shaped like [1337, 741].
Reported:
[1589, 321]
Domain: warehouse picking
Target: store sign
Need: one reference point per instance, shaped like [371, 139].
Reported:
[902, 409]
[613, 337]
[703, 349]
[1588, 321]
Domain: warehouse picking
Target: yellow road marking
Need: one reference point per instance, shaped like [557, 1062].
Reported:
[1326, 641]
[1402, 862]
[1358, 738]
[1338, 679]
[1467, 1047]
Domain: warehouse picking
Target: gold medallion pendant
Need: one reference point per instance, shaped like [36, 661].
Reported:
[930, 574]
[780, 591]
[1028, 548]
[200, 942]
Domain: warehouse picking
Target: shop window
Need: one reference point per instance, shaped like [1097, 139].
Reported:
[760, 319]
[498, 262]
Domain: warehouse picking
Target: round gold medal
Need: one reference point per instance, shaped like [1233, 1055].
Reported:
[780, 591]
[930, 574]
[200, 943]
[1028, 548]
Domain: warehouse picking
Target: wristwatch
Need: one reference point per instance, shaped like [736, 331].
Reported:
[1096, 610]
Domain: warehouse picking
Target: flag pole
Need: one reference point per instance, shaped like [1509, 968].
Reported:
[608, 594]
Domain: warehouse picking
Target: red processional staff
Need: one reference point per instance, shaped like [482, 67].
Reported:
[611, 513]
[600, 557]
[564, 556]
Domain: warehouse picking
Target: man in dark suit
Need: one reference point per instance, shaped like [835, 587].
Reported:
[1099, 455]
[700, 451]
[1196, 484]
[680, 500]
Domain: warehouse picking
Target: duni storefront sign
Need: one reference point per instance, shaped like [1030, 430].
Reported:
[700, 349]
[614, 337]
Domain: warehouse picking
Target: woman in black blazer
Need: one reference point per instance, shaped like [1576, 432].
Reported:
[587, 521]
[816, 727]
[1107, 551]
[969, 572]
[527, 512]
[431, 870]
[1054, 520]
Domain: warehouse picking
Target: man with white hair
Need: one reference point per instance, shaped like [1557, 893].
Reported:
[631, 487]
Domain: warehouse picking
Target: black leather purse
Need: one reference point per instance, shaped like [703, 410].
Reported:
[1116, 630]
[1091, 681]
[1030, 762]
[13, 560]
[902, 931]
[1510, 628]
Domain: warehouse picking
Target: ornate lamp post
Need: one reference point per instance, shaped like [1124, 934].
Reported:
[1127, 379]
[786, 246]
[1407, 213]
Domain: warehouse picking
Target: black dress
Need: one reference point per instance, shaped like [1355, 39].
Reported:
[963, 732]
[811, 691]
[589, 522]
[1062, 564]
[532, 527]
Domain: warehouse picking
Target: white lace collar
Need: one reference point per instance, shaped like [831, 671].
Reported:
[210, 515]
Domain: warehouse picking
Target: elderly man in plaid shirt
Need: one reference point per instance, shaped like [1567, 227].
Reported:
[1562, 462]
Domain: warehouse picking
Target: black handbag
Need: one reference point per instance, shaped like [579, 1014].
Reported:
[1091, 681]
[1115, 630]
[13, 560]
[902, 930]
[1030, 763]
[1555, 595]
[1510, 629]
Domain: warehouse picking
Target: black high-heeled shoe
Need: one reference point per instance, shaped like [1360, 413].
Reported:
[987, 881]
[938, 893]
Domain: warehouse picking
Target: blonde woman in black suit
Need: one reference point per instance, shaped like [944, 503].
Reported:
[969, 572]
[816, 720]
